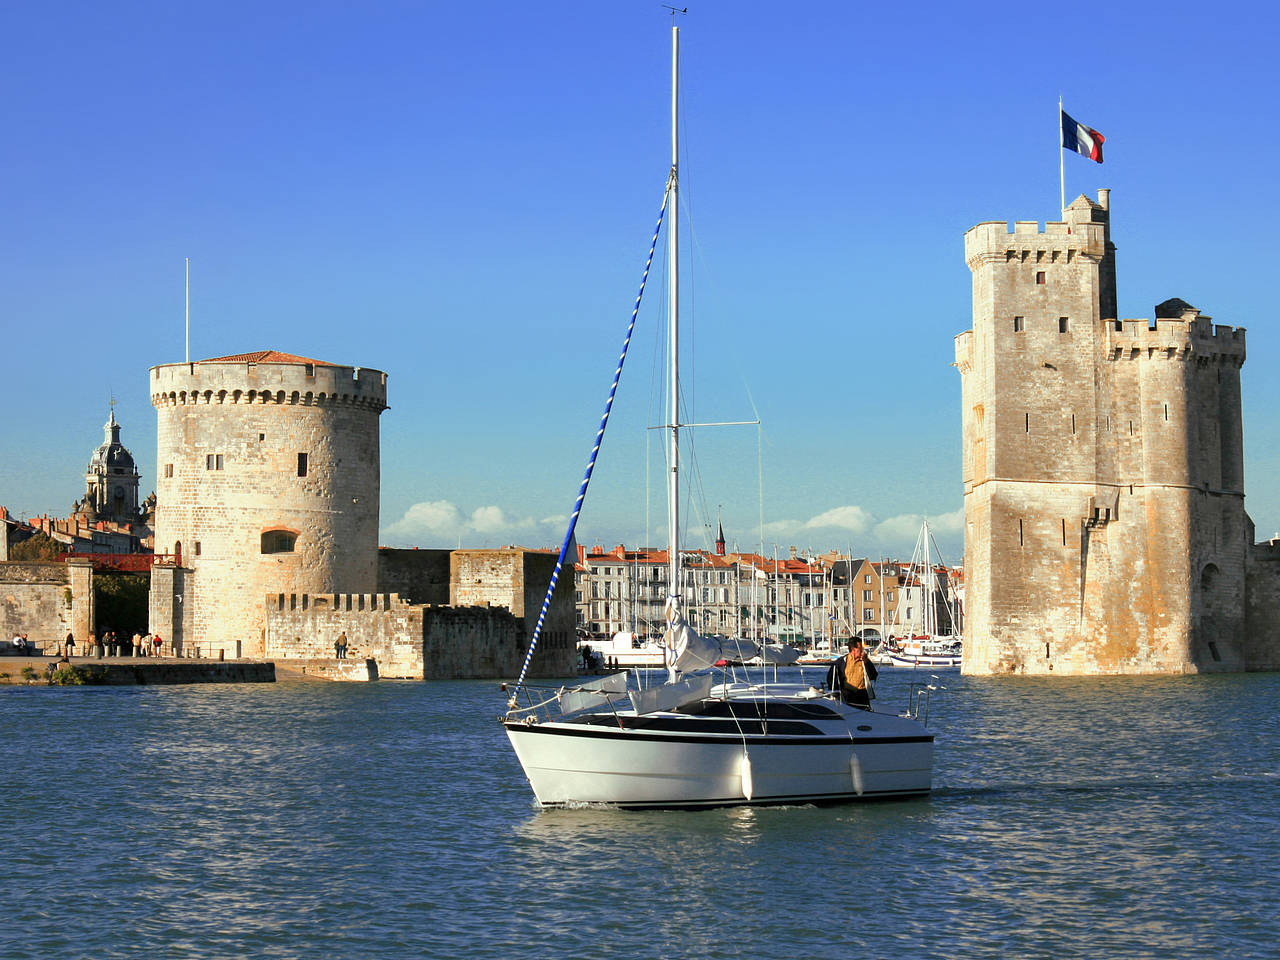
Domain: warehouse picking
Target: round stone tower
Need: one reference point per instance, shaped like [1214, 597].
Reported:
[268, 483]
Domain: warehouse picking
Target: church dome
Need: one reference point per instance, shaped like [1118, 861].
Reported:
[112, 455]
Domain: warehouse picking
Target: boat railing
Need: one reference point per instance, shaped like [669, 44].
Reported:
[919, 695]
[546, 703]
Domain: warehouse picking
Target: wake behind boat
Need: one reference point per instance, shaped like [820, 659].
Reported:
[693, 741]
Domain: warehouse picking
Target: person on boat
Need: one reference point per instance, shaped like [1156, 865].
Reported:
[853, 675]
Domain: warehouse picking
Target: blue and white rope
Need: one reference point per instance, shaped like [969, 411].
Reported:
[591, 463]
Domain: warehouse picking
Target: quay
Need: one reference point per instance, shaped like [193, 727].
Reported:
[127, 671]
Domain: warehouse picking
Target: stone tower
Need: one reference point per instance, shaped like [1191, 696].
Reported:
[268, 484]
[111, 481]
[1105, 529]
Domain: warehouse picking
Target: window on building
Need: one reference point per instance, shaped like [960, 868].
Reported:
[197, 548]
[302, 464]
[1017, 324]
[1040, 277]
[1062, 324]
[168, 469]
[866, 596]
[888, 596]
[868, 614]
[213, 461]
[866, 578]
[278, 541]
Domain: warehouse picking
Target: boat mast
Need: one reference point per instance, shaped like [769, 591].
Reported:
[673, 269]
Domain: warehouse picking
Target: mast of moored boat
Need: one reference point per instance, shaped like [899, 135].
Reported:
[673, 310]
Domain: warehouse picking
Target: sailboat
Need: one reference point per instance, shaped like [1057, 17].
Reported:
[931, 648]
[702, 738]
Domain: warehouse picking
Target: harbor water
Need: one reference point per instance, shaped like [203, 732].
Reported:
[1099, 818]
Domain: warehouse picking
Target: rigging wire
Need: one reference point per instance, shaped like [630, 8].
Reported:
[591, 462]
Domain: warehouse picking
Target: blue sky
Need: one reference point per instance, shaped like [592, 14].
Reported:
[462, 195]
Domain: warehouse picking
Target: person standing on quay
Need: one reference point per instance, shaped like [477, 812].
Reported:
[70, 643]
[340, 646]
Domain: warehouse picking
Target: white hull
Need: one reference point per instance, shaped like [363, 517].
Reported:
[672, 759]
[925, 660]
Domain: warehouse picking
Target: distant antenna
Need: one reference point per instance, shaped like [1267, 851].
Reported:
[188, 309]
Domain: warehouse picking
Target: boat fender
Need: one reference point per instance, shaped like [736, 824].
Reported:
[748, 788]
[855, 770]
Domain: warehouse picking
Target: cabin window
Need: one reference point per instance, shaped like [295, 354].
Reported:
[278, 541]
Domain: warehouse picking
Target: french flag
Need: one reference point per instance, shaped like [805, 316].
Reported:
[1083, 140]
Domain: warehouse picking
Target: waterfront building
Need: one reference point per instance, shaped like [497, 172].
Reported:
[808, 601]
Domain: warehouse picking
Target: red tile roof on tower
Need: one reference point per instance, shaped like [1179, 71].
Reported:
[267, 356]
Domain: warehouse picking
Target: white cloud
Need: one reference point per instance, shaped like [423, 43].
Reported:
[902, 531]
[443, 523]
[852, 518]
[438, 516]
[490, 520]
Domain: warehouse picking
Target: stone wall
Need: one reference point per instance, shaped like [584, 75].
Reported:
[421, 576]
[406, 640]
[46, 601]
[380, 627]
[1262, 633]
[517, 579]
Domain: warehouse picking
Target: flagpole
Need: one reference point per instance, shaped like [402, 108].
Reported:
[188, 323]
[1062, 170]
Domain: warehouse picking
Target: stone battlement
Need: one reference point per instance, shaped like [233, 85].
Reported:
[1173, 339]
[213, 382]
[1058, 242]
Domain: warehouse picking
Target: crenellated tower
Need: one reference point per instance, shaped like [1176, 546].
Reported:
[1103, 464]
[269, 483]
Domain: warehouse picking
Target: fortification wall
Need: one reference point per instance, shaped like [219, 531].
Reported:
[1262, 630]
[473, 642]
[517, 579]
[380, 627]
[269, 483]
[418, 575]
[46, 601]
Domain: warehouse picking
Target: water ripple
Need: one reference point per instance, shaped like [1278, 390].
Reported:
[1094, 818]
